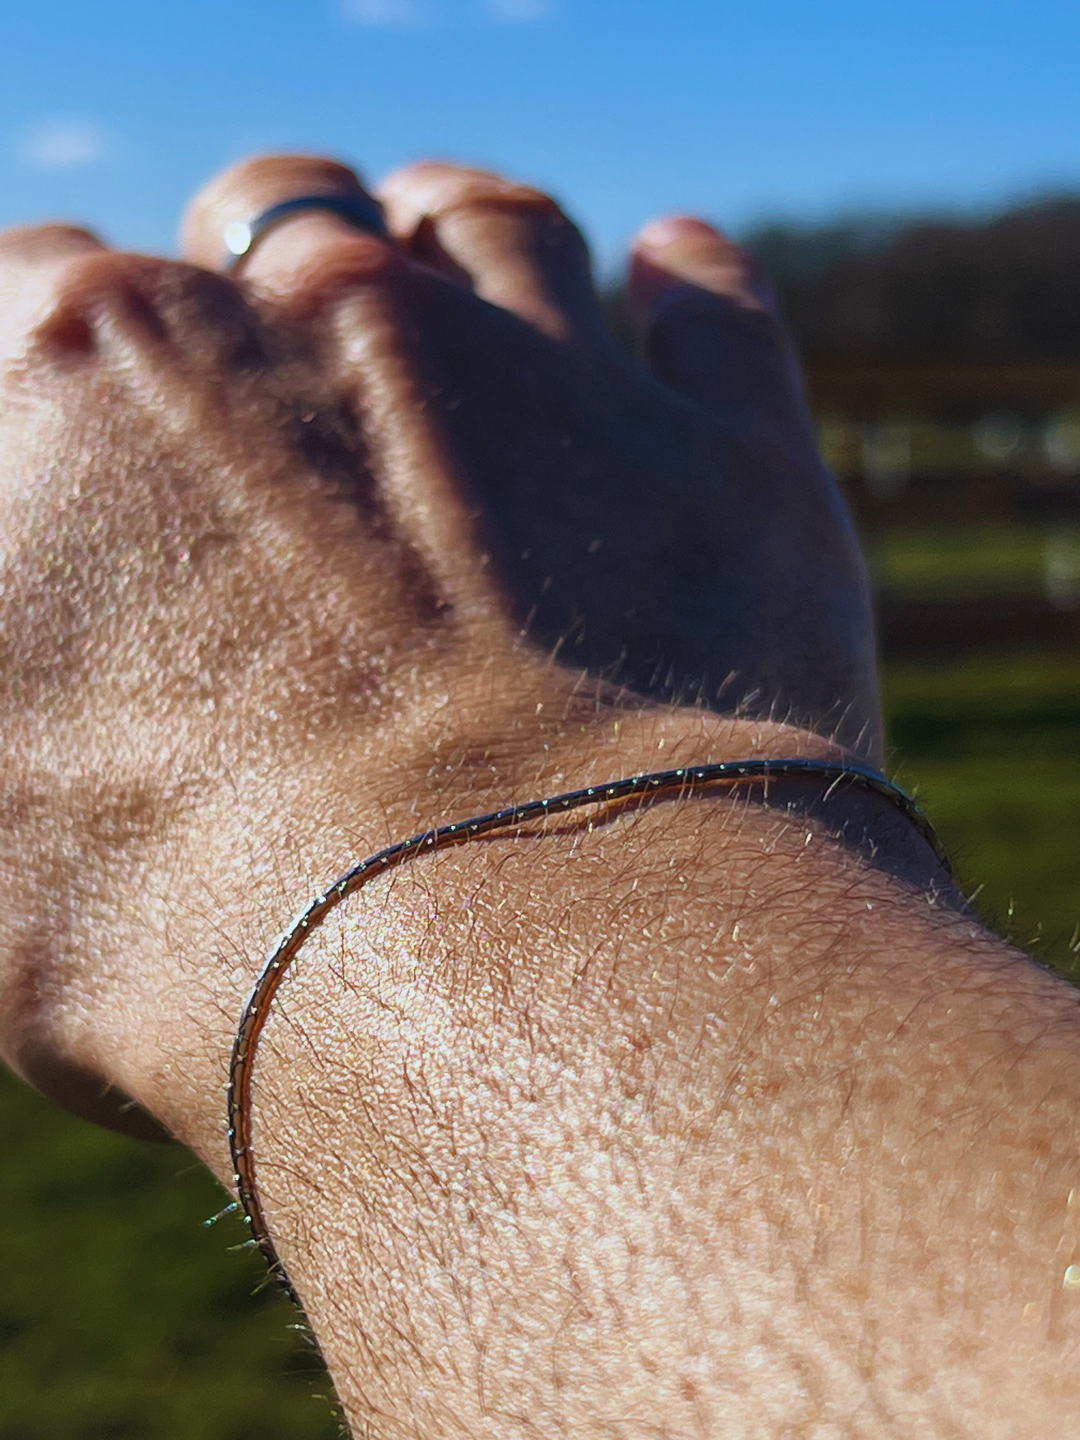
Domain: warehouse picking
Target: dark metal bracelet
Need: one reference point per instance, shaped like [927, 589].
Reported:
[688, 780]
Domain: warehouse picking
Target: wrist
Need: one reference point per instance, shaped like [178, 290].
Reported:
[182, 915]
[268, 860]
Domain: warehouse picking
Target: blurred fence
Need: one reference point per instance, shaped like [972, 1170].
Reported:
[965, 483]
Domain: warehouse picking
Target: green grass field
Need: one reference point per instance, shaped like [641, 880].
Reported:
[123, 1318]
[949, 561]
[991, 745]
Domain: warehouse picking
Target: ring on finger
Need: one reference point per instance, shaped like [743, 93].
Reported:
[241, 236]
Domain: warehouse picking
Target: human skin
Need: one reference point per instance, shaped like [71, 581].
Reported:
[715, 1117]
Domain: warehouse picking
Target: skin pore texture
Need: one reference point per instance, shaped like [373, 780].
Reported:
[714, 1117]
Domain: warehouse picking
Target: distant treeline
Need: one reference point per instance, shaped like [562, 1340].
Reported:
[1000, 290]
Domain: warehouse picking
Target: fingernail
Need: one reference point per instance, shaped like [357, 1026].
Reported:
[658, 234]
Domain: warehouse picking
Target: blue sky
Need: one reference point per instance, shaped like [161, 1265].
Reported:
[112, 112]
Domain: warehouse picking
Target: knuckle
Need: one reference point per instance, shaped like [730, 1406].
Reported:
[446, 188]
[524, 200]
[84, 292]
[144, 300]
[35, 242]
[262, 179]
[86, 282]
[319, 275]
[732, 311]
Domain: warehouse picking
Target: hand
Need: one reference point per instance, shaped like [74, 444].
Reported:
[271, 543]
[670, 526]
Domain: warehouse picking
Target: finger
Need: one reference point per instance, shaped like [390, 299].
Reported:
[34, 245]
[511, 243]
[63, 293]
[365, 301]
[29, 259]
[712, 327]
[301, 259]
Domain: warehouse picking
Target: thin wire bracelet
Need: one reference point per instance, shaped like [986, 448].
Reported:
[686, 780]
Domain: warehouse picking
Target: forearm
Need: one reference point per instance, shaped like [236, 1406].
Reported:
[745, 1158]
[692, 1114]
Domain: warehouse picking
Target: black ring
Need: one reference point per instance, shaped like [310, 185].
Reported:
[241, 236]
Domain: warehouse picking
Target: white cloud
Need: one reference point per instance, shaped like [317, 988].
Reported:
[389, 14]
[61, 145]
[520, 12]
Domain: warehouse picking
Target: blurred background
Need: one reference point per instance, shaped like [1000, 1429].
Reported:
[911, 176]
